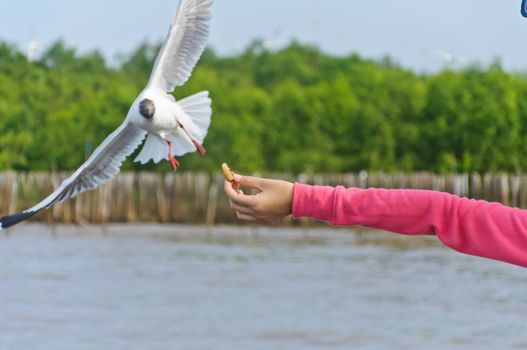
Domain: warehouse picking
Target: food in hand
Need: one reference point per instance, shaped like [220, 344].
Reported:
[229, 175]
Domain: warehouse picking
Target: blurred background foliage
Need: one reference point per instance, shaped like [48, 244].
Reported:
[293, 110]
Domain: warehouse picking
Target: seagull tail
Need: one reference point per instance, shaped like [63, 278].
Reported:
[198, 108]
[14, 219]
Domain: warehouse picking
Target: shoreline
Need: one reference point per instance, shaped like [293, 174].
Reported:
[229, 234]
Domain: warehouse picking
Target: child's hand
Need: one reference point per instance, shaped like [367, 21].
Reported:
[270, 204]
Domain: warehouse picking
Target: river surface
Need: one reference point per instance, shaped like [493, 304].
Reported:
[181, 287]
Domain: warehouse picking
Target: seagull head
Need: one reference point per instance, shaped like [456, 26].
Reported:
[147, 108]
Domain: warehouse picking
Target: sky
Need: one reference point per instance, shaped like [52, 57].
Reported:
[419, 34]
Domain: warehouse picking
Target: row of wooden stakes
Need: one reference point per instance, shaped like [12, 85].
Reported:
[197, 198]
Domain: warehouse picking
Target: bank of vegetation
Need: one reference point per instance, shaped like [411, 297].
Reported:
[293, 110]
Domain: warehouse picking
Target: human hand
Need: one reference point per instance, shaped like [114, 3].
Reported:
[271, 203]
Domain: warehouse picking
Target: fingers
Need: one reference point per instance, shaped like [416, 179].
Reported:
[245, 217]
[250, 182]
[253, 218]
[271, 203]
[231, 190]
[243, 210]
[238, 198]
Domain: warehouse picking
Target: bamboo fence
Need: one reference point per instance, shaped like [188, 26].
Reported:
[197, 198]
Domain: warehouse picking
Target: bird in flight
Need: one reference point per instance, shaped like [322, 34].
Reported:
[172, 128]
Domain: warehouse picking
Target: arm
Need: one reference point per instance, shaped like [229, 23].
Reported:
[473, 227]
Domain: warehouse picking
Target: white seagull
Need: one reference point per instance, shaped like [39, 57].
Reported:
[173, 127]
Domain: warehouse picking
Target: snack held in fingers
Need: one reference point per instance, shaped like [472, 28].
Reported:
[227, 173]
[271, 201]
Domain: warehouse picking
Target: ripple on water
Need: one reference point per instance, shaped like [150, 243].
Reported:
[159, 287]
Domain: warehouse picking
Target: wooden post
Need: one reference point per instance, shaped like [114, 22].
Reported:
[212, 205]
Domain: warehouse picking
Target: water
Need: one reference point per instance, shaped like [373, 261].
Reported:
[154, 287]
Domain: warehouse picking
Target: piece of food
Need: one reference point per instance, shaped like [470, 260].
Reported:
[229, 175]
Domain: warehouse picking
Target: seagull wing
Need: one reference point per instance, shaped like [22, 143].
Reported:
[102, 165]
[183, 46]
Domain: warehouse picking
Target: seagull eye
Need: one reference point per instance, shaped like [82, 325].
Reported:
[147, 108]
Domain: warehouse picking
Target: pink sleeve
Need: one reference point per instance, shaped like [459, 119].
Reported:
[480, 228]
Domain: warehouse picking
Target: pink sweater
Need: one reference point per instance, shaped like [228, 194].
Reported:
[480, 228]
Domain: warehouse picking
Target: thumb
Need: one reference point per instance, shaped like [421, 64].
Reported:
[249, 181]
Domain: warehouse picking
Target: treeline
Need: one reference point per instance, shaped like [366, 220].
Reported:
[293, 110]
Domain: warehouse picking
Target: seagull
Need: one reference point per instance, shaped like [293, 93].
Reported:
[172, 128]
[448, 57]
